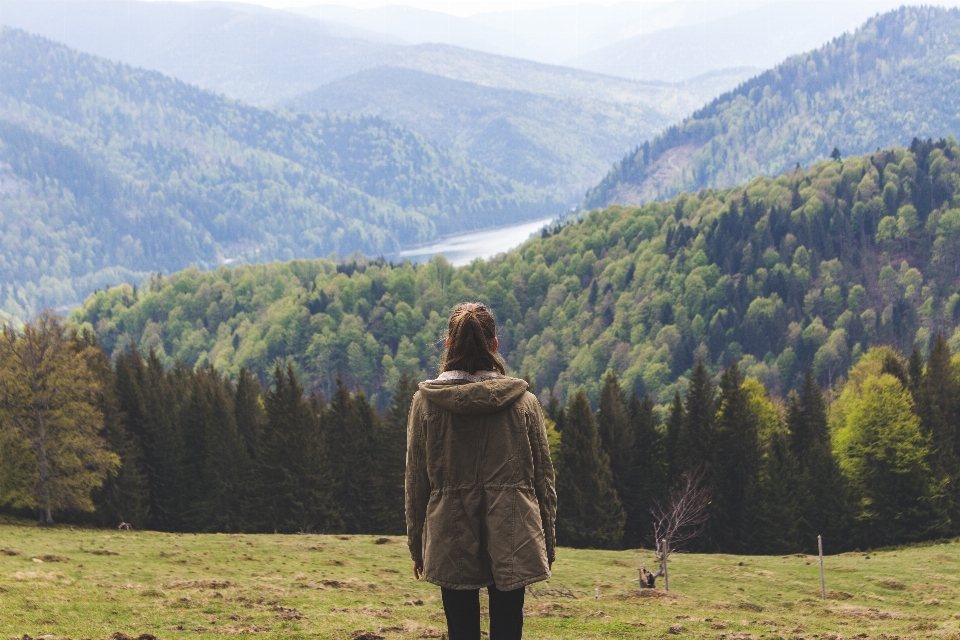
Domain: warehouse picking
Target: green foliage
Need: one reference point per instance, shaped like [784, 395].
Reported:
[892, 79]
[782, 275]
[111, 172]
[52, 455]
[590, 512]
[884, 455]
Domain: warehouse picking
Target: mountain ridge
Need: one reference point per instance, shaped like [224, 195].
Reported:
[189, 177]
[797, 112]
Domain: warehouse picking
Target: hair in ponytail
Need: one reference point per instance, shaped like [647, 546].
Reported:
[471, 333]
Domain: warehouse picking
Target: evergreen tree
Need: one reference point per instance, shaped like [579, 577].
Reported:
[821, 493]
[391, 440]
[695, 440]
[293, 480]
[224, 474]
[616, 438]
[648, 477]
[124, 496]
[590, 514]
[248, 408]
[735, 463]
[772, 525]
[938, 404]
[349, 425]
[147, 400]
[675, 419]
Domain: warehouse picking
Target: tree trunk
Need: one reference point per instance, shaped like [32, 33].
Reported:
[666, 559]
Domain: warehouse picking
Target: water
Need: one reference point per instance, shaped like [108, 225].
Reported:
[465, 248]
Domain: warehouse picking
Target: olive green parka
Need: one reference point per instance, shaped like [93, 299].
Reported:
[480, 495]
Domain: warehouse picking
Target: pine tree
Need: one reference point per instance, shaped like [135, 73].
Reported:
[124, 496]
[590, 514]
[772, 525]
[695, 441]
[248, 408]
[147, 401]
[648, 477]
[675, 419]
[293, 480]
[938, 403]
[391, 440]
[821, 493]
[349, 425]
[735, 463]
[225, 466]
[616, 438]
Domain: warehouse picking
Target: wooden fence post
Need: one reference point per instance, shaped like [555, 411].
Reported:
[823, 581]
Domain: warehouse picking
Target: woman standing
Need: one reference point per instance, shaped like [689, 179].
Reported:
[480, 496]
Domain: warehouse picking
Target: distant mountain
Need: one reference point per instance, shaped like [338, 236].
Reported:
[552, 134]
[412, 25]
[251, 53]
[758, 37]
[895, 78]
[108, 172]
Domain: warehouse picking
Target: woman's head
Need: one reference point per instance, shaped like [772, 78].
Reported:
[472, 340]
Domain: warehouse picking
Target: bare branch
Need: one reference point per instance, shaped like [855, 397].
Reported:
[685, 514]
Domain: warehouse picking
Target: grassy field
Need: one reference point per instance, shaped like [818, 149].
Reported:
[89, 583]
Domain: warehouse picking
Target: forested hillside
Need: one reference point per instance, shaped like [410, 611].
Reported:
[896, 77]
[561, 142]
[806, 270]
[546, 126]
[109, 172]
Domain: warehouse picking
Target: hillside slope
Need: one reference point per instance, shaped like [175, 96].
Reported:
[547, 126]
[758, 37]
[109, 172]
[250, 53]
[562, 142]
[806, 270]
[896, 77]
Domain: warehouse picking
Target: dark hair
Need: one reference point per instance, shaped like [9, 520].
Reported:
[471, 332]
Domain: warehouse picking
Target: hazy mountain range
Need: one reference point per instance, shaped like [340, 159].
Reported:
[479, 85]
[895, 78]
[108, 172]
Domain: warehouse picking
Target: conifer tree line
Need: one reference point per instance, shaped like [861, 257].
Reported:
[873, 461]
[878, 465]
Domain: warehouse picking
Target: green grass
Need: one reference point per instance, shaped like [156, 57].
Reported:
[89, 583]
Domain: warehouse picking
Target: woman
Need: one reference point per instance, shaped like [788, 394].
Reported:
[480, 494]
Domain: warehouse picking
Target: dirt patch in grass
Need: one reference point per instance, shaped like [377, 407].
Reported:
[890, 583]
[10, 552]
[865, 613]
[383, 541]
[101, 552]
[197, 584]
[49, 557]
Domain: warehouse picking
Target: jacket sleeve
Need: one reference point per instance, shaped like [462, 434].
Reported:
[544, 480]
[416, 483]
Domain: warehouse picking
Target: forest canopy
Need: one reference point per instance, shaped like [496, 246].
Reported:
[807, 270]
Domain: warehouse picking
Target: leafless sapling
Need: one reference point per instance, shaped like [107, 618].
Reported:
[681, 518]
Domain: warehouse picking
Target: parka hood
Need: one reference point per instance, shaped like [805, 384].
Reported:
[474, 398]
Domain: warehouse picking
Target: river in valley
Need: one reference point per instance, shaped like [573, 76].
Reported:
[466, 247]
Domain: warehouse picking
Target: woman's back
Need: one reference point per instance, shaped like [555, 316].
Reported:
[479, 470]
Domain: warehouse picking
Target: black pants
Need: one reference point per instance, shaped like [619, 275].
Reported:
[462, 607]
